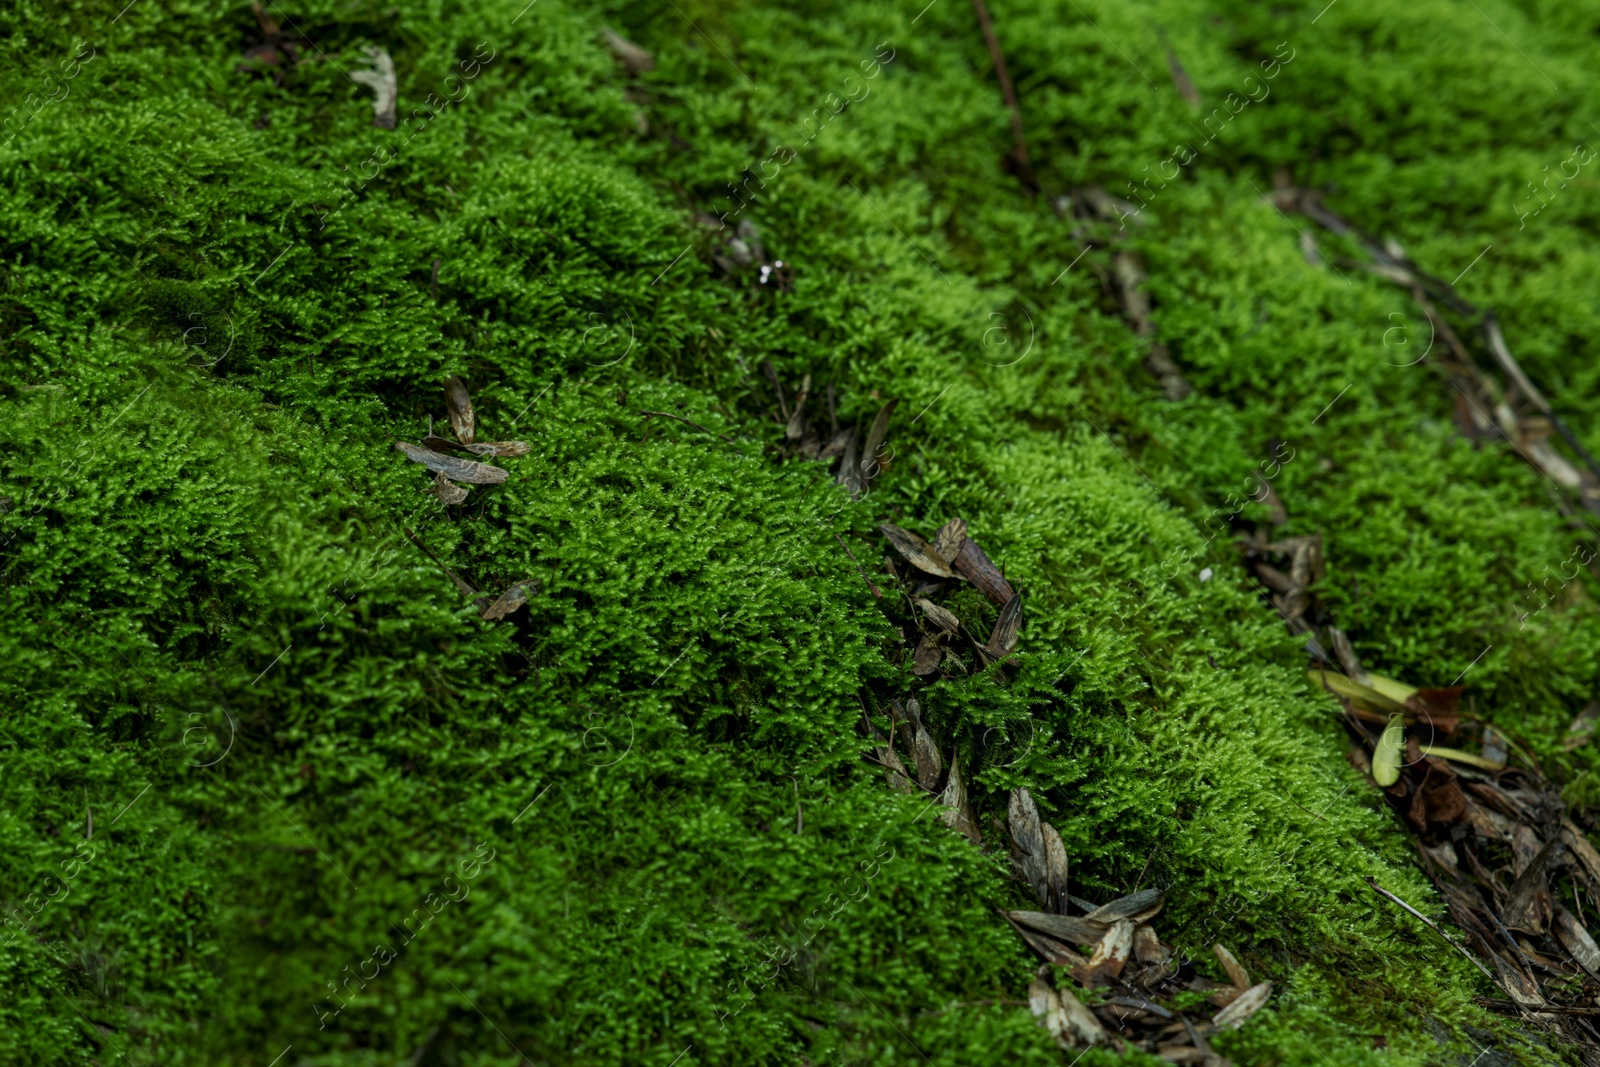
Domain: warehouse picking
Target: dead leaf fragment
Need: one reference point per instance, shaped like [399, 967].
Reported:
[1055, 864]
[925, 660]
[1576, 940]
[1236, 973]
[1249, 1002]
[1141, 905]
[1582, 727]
[870, 466]
[447, 491]
[916, 551]
[459, 403]
[1068, 929]
[1003, 638]
[948, 541]
[380, 79]
[1027, 842]
[976, 567]
[958, 813]
[510, 600]
[635, 60]
[944, 621]
[1083, 1026]
[457, 470]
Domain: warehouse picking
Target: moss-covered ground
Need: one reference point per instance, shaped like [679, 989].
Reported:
[225, 294]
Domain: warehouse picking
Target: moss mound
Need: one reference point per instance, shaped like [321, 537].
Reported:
[275, 792]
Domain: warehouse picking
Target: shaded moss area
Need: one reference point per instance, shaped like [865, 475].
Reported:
[339, 818]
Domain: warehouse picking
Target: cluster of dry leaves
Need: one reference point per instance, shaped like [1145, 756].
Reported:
[1496, 840]
[1515, 411]
[1128, 976]
[433, 453]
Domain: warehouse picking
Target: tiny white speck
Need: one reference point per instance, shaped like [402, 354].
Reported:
[1205, 575]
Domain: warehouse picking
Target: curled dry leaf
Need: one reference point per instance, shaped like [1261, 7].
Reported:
[948, 541]
[457, 470]
[1236, 973]
[924, 753]
[380, 79]
[1248, 1003]
[459, 403]
[635, 60]
[976, 567]
[914, 549]
[447, 491]
[510, 600]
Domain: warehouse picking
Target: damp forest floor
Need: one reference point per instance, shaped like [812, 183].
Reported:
[249, 729]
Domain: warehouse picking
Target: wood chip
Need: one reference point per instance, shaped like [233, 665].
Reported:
[447, 491]
[914, 549]
[1238, 1013]
[635, 60]
[1147, 947]
[1236, 973]
[380, 79]
[459, 403]
[511, 600]
[948, 541]
[976, 567]
[457, 470]
[1114, 949]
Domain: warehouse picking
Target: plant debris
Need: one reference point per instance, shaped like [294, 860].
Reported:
[380, 79]
[635, 60]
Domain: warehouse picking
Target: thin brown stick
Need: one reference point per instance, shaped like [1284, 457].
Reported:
[680, 418]
[1373, 882]
[1024, 168]
[877, 594]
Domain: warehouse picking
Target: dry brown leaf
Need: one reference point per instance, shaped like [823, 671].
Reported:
[870, 467]
[1003, 638]
[1054, 951]
[1576, 940]
[1184, 1054]
[958, 813]
[944, 621]
[948, 541]
[635, 60]
[1518, 983]
[837, 444]
[1236, 973]
[925, 660]
[1027, 842]
[1147, 947]
[1141, 905]
[459, 403]
[447, 491]
[1249, 1002]
[1575, 840]
[1582, 727]
[976, 567]
[924, 753]
[914, 549]
[1083, 1026]
[1115, 948]
[1528, 904]
[457, 470]
[796, 427]
[1068, 929]
[512, 599]
[1055, 862]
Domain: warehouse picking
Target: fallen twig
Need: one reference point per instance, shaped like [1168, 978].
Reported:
[1024, 168]
[680, 418]
[1373, 882]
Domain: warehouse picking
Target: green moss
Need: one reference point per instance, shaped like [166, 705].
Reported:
[215, 614]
